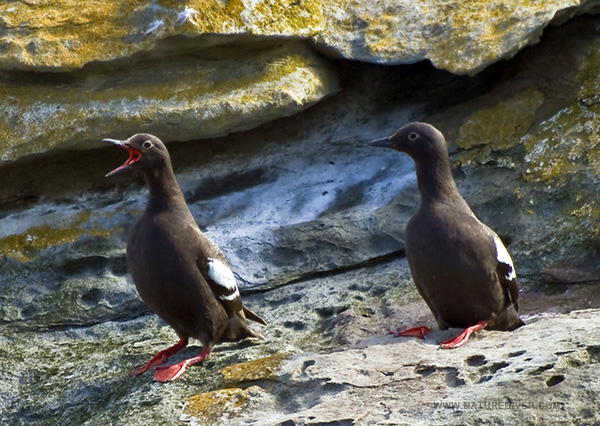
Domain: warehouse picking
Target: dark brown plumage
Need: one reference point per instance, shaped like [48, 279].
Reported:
[179, 272]
[459, 265]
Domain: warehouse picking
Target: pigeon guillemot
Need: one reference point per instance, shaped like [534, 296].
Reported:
[459, 265]
[178, 271]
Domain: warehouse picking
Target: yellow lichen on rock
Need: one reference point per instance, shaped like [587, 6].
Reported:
[481, 32]
[217, 406]
[569, 141]
[298, 18]
[183, 98]
[563, 145]
[502, 125]
[26, 245]
[66, 35]
[259, 369]
[462, 37]
[385, 32]
[63, 34]
[212, 407]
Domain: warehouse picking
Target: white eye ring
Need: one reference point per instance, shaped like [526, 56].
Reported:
[147, 144]
[412, 136]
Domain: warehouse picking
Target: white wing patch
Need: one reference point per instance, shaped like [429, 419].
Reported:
[221, 274]
[503, 257]
[230, 297]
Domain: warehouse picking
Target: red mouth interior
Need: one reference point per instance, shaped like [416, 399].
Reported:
[134, 156]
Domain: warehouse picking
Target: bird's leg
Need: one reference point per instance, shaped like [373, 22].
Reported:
[462, 338]
[160, 358]
[419, 332]
[171, 372]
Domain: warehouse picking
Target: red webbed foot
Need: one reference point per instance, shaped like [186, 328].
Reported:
[419, 332]
[462, 338]
[160, 358]
[169, 373]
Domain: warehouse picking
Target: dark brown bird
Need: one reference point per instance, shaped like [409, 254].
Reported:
[178, 271]
[459, 265]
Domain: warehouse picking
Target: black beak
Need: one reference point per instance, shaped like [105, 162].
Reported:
[382, 143]
[115, 142]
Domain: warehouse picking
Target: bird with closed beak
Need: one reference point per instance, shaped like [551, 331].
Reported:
[178, 271]
[458, 264]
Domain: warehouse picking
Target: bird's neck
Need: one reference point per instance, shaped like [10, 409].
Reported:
[164, 189]
[435, 181]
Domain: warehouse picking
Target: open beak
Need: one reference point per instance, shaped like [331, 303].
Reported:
[381, 143]
[134, 155]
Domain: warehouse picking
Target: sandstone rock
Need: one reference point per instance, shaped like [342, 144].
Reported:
[312, 221]
[64, 374]
[543, 372]
[180, 98]
[220, 404]
[462, 37]
[342, 365]
[306, 196]
[546, 132]
[258, 369]
[62, 36]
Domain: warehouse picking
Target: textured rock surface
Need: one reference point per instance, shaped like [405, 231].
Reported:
[86, 366]
[462, 37]
[547, 132]
[306, 195]
[328, 347]
[527, 377]
[61, 35]
[185, 97]
[310, 217]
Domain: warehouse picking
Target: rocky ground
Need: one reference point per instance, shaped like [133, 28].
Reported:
[328, 360]
[267, 122]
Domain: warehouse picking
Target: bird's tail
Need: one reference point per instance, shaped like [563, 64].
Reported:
[254, 333]
[251, 315]
[238, 329]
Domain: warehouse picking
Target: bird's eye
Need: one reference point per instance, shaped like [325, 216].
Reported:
[412, 136]
[147, 144]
